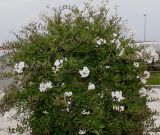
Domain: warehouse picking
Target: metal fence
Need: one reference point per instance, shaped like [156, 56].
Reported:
[153, 67]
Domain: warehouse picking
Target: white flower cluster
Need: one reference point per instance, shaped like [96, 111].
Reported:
[82, 132]
[44, 86]
[132, 45]
[58, 64]
[107, 67]
[148, 54]
[45, 112]
[67, 97]
[68, 106]
[121, 52]
[118, 108]
[115, 35]
[117, 96]
[143, 80]
[138, 77]
[117, 42]
[136, 64]
[143, 92]
[91, 86]
[84, 72]
[19, 67]
[85, 112]
[67, 94]
[100, 42]
[91, 20]
[146, 76]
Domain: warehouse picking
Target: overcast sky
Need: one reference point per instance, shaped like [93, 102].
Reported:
[15, 13]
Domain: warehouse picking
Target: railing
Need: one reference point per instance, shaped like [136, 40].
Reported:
[153, 67]
[141, 41]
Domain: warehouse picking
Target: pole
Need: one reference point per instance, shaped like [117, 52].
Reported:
[145, 27]
[116, 9]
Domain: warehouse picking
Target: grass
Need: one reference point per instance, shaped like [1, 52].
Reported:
[154, 78]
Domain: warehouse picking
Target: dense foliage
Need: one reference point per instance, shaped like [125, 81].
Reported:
[77, 73]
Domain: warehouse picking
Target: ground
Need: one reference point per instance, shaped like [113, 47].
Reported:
[154, 78]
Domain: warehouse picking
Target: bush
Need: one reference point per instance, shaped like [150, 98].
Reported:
[77, 73]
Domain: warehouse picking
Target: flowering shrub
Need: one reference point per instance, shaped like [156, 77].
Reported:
[148, 54]
[77, 76]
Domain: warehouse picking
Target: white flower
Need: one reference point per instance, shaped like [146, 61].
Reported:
[117, 95]
[137, 77]
[62, 84]
[84, 72]
[69, 102]
[91, 86]
[84, 112]
[118, 43]
[82, 132]
[149, 54]
[44, 86]
[121, 108]
[57, 63]
[118, 108]
[87, 28]
[61, 61]
[143, 92]
[131, 45]
[65, 59]
[112, 41]
[114, 35]
[143, 80]
[45, 112]
[2, 94]
[107, 67]
[139, 54]
[19, 67]
[67, 109]
[101, 41]
[68, 94]
[121, 52]
[55, 70]
[91, 20]
[136, 64]
[49, 85]
[146, 74]
[149, 61]
[115, 107]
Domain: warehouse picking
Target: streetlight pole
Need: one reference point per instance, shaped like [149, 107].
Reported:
[145, 16]
[116, 9]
